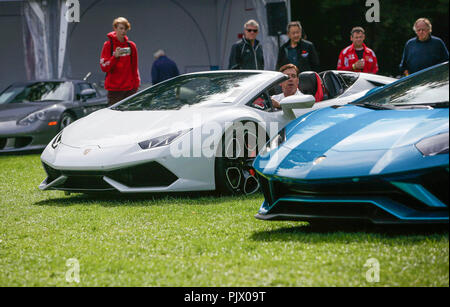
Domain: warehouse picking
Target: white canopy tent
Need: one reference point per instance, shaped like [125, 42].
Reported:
[197, 34]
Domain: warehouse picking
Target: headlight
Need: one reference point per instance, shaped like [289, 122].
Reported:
[275, 142]
[57, 140]
[162, 140]
[33, 117]
[435, 145]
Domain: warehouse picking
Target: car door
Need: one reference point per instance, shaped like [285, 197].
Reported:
[93, 102]
[274, 119]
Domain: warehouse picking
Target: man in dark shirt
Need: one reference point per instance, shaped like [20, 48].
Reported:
[298, 51]
[163, 68]
[424, 50]
[248, 52]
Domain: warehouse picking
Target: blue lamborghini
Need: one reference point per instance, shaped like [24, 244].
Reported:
[383, 158]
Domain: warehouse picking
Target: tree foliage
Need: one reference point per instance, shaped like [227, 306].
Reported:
[327, 24]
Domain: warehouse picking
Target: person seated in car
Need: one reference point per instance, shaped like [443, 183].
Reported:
[289, 87]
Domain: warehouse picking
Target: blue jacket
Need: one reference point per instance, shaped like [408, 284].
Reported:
[163, 68]
[419, 55]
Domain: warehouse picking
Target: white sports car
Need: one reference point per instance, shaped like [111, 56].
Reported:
[195, 132]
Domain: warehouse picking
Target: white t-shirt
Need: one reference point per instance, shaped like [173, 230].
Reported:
[281, 96]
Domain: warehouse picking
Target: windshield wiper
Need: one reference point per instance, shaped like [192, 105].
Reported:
[379, 106]
[375, 106]
[439, 104]
[430, 105]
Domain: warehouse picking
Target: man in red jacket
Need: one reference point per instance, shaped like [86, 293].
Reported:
[119, 60]
[358, 57]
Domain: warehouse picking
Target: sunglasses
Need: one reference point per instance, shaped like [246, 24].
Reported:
[292, 76]
[252, 30]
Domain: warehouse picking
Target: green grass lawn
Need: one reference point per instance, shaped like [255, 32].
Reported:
[188, 240]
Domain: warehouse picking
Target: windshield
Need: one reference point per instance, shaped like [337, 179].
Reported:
[39, 91]
[186, 91]
[429, 87]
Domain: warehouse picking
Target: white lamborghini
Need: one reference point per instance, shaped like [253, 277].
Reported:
[195, 132]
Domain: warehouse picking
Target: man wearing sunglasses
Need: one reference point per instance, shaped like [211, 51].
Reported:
[247, 53]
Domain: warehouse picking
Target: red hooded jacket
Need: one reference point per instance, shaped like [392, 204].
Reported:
[122, 73]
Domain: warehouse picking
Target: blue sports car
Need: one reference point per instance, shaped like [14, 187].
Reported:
[383, 158]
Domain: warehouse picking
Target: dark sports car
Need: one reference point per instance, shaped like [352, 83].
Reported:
[383, 158]
[33, 112]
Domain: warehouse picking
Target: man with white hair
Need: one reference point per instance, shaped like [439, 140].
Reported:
[424, 50]
[163, 68]
[248, 52]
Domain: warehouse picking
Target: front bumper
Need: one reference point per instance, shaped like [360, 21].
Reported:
[131, 179]
[125, 169]
[15, 138]
[420, 197]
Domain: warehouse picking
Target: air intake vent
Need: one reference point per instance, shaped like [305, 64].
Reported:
[22, 142]
[437, 184]
[150, 174]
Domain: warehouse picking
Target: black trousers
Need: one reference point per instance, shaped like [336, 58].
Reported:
[116, 96]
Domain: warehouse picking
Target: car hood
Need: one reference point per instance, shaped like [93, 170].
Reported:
[16, 111]
[352, 141]
[109, 128]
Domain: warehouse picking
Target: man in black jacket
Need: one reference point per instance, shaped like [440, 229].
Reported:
[247, 53]
[298, 51]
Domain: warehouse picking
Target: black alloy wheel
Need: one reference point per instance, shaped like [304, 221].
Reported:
[233, 168]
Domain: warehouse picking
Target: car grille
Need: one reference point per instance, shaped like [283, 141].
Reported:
[86, 183]
[150, 174]
[349, 211]
[332, 188]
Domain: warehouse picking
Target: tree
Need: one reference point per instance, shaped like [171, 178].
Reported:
[327, 24]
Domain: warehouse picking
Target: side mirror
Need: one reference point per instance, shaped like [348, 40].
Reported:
[291, 103]
[87, 93]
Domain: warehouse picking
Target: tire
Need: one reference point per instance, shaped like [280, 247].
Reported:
[233, 166]
[66, 120]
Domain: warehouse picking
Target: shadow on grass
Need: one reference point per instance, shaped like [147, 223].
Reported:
[141, 200]
[346, 233]
[21, 153]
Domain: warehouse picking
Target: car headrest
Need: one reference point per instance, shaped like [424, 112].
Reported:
[311, 84]
[307, 83]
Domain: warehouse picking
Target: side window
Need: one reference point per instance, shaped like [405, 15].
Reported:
[348, 78]
[261, 102]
